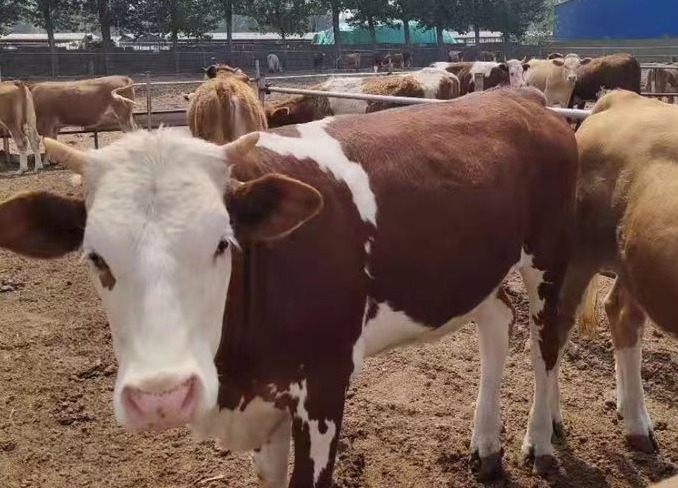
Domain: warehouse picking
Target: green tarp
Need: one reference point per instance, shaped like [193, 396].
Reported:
[385, 35]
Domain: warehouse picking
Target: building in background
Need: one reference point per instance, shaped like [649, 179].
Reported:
[616, 19]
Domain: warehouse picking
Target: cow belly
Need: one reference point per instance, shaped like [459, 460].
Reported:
[390, 328]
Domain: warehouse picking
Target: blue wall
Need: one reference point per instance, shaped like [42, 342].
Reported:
[616, 19]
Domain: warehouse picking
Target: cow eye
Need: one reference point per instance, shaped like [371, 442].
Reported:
[221, 247]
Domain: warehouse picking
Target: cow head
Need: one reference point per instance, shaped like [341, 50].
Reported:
[224, 70]
[570, 64]
[158, 226]
[516, 70]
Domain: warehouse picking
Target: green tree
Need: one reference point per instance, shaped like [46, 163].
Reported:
[228, 11]
[53, 15]
[406, 10]
[440, 15]
[369, 13]
[173, 17]
[335, 7]
[11, 11]
[286, 17]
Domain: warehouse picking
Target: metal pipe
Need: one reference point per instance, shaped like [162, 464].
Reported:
[572, 113]
[353, 96]
[325, 75]
[148, 100]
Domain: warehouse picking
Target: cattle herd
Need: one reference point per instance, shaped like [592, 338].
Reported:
[247, 273]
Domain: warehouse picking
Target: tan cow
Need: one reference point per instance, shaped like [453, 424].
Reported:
[627, 209]
[555, 77]
[17, 115]
[349, 61]
[225, 107]
[83, 103]
[425, 83]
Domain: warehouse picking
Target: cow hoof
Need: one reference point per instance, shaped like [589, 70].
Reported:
[643, 443]
[558, 430]
[543, 465]
[488, 468]
[21, 171]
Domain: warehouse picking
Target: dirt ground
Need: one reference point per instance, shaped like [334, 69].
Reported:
[408, 416]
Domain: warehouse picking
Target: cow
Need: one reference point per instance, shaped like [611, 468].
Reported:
[273, 64]
[617, 71]
[494, 74]
[455, 56]
[662, 80]
[329, 247]
[555, 77]
[225, 107]
[390, 61]
[17, 115]
[349, 61]
[626, 211]
[83, 103]
[425, 83]
[221, 69]
[318, 62]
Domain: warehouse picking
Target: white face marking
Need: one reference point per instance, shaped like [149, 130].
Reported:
[516, 73]
[316, 144]
[240, 430]
[239, 127]
[320, 443]
[156, 216]
[341, 106]
[440, 65]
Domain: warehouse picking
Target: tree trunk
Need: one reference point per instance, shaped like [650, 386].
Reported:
[228, 16]
[286, 57]
[441, 42]
[174, 33]
[104, 11]
[336, 29]
[476, 31]
[406, 31]
[373, 34]
[49, 27]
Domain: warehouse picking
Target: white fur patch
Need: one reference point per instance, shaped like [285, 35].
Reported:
[484, 67]
[341, 106]
[630, 394]
[430, 80]
[316, 144]
[320, 442]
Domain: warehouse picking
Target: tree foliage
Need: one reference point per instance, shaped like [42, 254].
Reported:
[11, 11]
[285, 17]
[53, 14]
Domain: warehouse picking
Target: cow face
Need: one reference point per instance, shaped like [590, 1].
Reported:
[516, 71]
[162, 222]
[570, 64]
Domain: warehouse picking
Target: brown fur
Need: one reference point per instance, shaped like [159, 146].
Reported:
[398, 86]
[297, 109]
[609, 72]
[17, 113]
[213, 114]
[83, 103]
[462, 70]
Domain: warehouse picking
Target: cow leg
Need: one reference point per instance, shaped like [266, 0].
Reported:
[22, 145]
[494, 318]
[270, 462]
[34, 141]
[627, 320]
[316, 424]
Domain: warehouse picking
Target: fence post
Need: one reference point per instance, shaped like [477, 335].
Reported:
[96, 140]
[149, 107]
[261, 82]
[479, 81]
[0, 73]
[5, 147]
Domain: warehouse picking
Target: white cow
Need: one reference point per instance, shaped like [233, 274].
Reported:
[273, 63]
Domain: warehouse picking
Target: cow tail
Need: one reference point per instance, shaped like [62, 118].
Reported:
[587, 310]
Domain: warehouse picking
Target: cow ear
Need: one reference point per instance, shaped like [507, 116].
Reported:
[558, 62]
[271, 207]
[586, 61]
[42, 224]
[555, 56]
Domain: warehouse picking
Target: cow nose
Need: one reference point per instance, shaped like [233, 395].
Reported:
[571, 78]
[161, 405]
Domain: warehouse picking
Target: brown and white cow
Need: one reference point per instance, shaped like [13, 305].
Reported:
[83, 103]
[662, 80]
[425, 83]
[617, 71]
[332, 241]
[555, 77]
[225, 107]
[17, 115]
[627, 208]
[494, 74]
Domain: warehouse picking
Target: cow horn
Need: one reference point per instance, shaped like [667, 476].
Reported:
[66, 155]
[242, 145]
